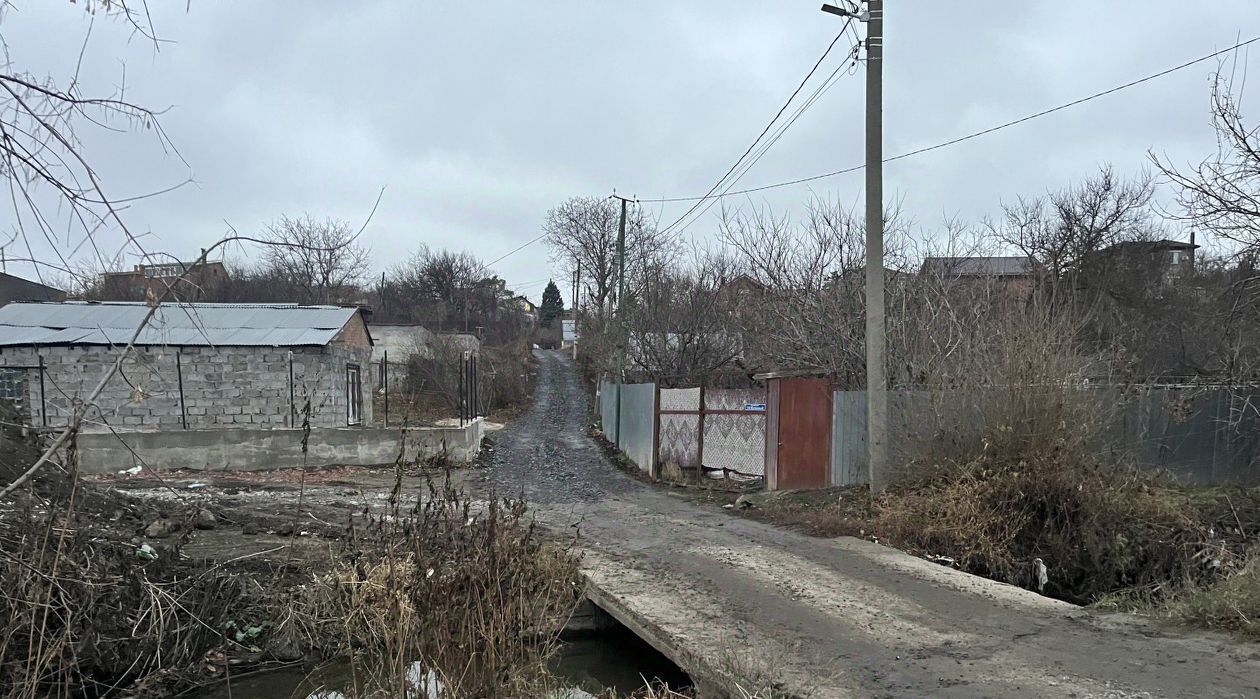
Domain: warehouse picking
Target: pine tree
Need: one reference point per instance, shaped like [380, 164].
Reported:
[552, 304]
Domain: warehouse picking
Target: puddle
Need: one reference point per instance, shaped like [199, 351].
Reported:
[590, 664]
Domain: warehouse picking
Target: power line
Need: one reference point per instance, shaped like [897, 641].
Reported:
[968, 137]
[768, 126]
[827, 84]
[513, 251]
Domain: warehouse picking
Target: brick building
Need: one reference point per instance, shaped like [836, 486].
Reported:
[195, 366]
[187, 280]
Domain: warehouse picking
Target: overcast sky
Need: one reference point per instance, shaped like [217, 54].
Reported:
[476, 117]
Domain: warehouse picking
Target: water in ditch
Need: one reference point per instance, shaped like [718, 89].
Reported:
[590, 664]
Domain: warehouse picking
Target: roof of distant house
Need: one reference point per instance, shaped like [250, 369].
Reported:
[18, 289]
[980, 266]
[1153, 245]
[175, 324]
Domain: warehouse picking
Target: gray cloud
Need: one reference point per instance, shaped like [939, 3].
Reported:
[477, 117]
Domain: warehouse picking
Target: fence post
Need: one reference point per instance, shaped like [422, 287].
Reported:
[655, 471]
[385, 383]
[43, 401]
[462, 396]
[179, 377]
[292, 405]
[700, 438]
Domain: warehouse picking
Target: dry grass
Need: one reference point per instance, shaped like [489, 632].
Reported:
[1231, 604]
[467, 590]
[85, 613]
[1097, 528]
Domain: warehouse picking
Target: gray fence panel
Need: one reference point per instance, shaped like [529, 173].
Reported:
[608, 410]
[638, 423]
[1204, 438]
[848, 438]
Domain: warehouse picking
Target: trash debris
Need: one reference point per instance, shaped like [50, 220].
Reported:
[131, 471]
[146, 553]
[1039, 569]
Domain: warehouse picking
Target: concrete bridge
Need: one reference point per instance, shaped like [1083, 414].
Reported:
[731, 600]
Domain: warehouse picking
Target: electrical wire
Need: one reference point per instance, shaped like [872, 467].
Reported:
[768, 126]
[968, 137]
[822, 89]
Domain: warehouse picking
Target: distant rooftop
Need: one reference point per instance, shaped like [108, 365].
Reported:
[980, 266]
[174, 324]
[18, 289]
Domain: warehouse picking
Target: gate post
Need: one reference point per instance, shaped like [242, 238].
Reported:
[655, 471]
[700, 438]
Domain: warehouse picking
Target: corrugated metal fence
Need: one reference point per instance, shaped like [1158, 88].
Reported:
[1200, 437]
[637, 437]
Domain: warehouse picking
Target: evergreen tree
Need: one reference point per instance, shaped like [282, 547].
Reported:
[552, 304]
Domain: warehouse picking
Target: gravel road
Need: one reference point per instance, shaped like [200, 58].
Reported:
[831, 617]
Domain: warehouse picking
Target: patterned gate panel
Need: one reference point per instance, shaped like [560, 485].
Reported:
[735, 441]
[680, 443]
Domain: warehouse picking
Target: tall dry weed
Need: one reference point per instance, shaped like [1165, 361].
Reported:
[467, 590]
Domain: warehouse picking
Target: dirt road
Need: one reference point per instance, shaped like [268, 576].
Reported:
[831, 618]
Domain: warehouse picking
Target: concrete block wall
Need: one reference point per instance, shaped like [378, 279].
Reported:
[246, 449]
[223, 387]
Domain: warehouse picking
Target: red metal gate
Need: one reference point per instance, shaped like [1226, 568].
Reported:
[798, 433]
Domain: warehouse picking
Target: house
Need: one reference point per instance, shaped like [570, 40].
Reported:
[18, 289]
[528, 309]
[1015, 275]
[400, 342]
[188, 281]
[1164, 262]
[738, 289]
[194, 365]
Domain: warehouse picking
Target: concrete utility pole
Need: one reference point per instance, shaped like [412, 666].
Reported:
[876, 329]
[621, 295]
[577, 283]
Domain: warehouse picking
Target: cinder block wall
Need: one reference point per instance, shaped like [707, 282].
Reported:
[222, 386]
[245, 449]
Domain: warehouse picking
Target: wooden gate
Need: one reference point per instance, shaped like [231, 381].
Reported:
[798, 433]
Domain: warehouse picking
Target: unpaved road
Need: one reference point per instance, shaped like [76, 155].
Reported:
[831, 617]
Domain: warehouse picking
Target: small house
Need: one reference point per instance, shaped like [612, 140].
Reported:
[192, 366]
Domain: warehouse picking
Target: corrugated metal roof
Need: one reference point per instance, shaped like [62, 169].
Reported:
[187, 324]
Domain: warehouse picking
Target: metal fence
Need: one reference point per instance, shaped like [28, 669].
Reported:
[723, 429]
[635, 432]
[1200, 437]
[714, 429]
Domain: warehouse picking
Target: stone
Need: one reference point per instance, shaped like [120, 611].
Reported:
[205, 520]
[161, 528]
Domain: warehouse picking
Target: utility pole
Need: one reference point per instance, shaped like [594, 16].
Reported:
[577, 282]
[621, 296]
[876, 329]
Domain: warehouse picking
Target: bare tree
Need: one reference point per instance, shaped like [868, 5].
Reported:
[583, 232]
[57, 200]
[1065, 231]
[322, 260]
[811, 313]
[1222, 193]
[679, 329]
[432, 286]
